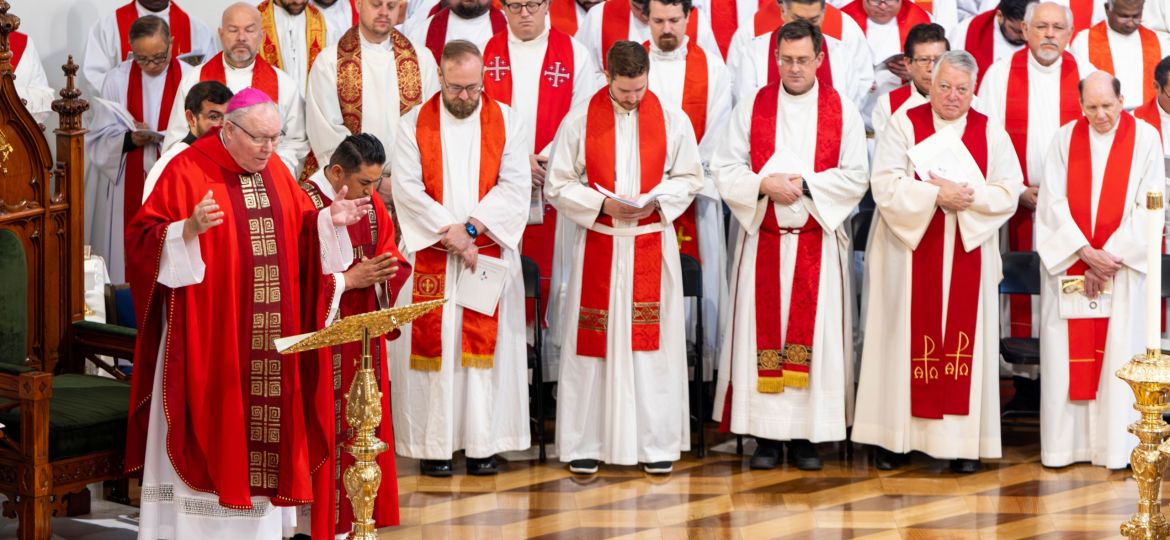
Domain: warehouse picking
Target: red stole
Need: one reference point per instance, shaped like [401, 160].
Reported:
[372, 236]
[1150, 113]
[780, 364]
[724, 22]
[770, 17]
[908, 17]
[1086, 337]
[898, 96]
[1101, 56]
[478, 332]
[940, 379]
[1016, 124]
[179, 22]
[353, 12]
[263, 75]
[16, 43]
[1082, 12]
[980, 41]
[615, 25]
[600, 167]
[135, 170]
[437, 30]
[563, 14]
[824, 73]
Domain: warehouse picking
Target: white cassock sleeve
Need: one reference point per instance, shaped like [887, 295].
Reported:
[684, 171]
[101, 50]
[881, 114]
[419, 216]
[996, 200]
[181, 263]
[906, 205]
[837, 191]
[738, 185]
[742, 66]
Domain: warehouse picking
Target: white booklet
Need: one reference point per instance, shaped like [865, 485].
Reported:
[947, 157]
[480, 290]
[639, 202]
[1074, 304]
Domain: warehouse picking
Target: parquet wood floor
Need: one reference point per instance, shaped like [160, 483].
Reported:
[719, 497]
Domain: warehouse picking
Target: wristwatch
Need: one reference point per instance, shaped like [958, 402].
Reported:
[471, 230]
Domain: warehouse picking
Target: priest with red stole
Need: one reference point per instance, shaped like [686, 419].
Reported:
[993, 34]
[930, 380]
[1122, 46]
[29, 75]
[885, 24]
[620, 20]
[1156, 111]
[1091, 225]
[240, 66]
[227, 255]
[786, 369]
[622, 391]
[727, 17]
[461, 192]
[374, 282]
[924, 45]
[847, 64]
[541, 73]
[472, 20]
[686, 77]
[108, 44]
[1031, 94]
[145, 87]
[294, 34]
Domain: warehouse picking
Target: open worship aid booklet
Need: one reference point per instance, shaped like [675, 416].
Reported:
[480, 290]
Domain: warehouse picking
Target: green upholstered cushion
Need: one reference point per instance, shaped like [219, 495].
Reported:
[86, 414]
[13, 301]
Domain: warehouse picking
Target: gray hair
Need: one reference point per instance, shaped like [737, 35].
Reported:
[1031, 10]
[961, 60]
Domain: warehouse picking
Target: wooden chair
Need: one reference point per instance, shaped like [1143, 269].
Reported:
[61, 429]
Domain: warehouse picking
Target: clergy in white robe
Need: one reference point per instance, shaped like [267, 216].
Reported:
[471, 20]
[1157, 18]
[295, 32]
[1031, 94]
[993, 34]
[924, 45]
[727, 17]
[787, 365]
[885, 27]
[460, 176]
[240, 67]
[1121, 46]
[1156, 111]
[937, 238]
[205, 107]
[1091, 222]
[31, 83]
[622, 391]
[618, 20]
[142, 88]
[685, 76]
[847, 67]
[1085, 13]
[380, 73]
[108, 44]
[340, 15]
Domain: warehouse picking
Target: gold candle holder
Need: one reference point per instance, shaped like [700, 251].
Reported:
[1148, 375]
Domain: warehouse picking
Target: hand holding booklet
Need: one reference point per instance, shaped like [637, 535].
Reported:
[479, 290]
[638, 202]
[945, 155]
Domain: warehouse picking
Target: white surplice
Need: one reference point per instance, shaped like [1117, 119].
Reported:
[589, 32]
[339, 17]
[1093, 430]
[293, 145]
[291, 32]
[630, 407]
[1000, 47]
[882, 113]
[667, 76]
[482, 411]
[817, 413]
[380, 96]
[170, 509]
[477, 30]
[32, 85]
[106, 182]
[884, 41]
[850, 62]
[103, 50]
[1156, 16]
[905, 207]
[1128, 61]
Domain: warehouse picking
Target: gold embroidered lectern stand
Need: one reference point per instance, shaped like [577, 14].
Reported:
[363, 403]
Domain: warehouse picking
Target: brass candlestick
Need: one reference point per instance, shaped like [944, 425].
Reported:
[1148, 376]
[363, 403]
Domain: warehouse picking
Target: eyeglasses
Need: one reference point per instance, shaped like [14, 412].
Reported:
[515, 8]
[257, 140]
[924, 60]
[158, 59]
[471, 89]
[803, 61]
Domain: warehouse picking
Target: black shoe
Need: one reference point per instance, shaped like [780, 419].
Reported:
[886, 460]
[803, 455]
[437, 468]
[483, 466]
[768, 454]
[658, 467]
[583, 466]
[965, 466]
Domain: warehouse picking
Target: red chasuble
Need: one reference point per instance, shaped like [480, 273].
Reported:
[372, 236]
[135, 169]
[940, 357]
[1016, 124]
[1086, 337]
[17, 42]
[554, 96]
[615, 25]
[601, 169]
[1101, 56]
[179, 22]
[785, 362]
[479, 331]
[437, 30]
[563, 14]
[242, 420]
[263, 75]
[980, 41]
[908, 17]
